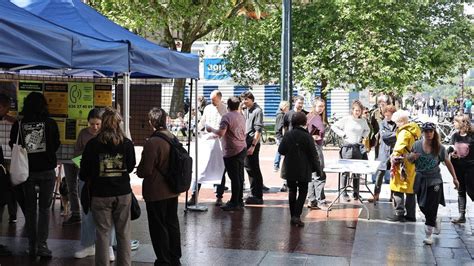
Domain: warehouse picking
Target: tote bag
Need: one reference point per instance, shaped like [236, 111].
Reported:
[19, 169]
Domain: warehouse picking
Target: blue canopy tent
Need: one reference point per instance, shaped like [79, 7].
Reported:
[145, 57]
[31, 42]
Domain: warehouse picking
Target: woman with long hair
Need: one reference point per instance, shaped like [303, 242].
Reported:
[94, 119]
[106, 163]
[316, 128]
[352, 129]
[462, 158]
[39, 134]
[427, 154]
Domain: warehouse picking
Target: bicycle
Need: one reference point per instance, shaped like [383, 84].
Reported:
[445, 130]
[331, 137]
[264, 135]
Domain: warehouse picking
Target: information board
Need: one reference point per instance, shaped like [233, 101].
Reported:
[81, 100]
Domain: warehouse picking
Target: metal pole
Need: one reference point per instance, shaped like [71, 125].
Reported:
[290, 53]
[126, 103]
[286, 77]
[197, 207]
[189, 133]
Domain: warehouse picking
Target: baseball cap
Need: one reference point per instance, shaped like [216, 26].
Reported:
[428, 126]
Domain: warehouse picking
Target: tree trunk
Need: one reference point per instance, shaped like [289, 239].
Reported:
[177, 100]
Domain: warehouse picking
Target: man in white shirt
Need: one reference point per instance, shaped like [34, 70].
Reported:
[211, 159]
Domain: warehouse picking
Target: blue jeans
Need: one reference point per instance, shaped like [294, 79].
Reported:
[276, 161]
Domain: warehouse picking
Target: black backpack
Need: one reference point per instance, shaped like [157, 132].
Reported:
[180, 168]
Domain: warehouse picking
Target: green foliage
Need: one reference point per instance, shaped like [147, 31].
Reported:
[382, 45]
[167, 20]
[186, 20]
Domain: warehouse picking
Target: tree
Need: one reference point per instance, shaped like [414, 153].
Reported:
[381, 45]
[183, 20]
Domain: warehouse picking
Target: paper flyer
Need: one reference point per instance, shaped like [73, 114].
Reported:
[77, 161]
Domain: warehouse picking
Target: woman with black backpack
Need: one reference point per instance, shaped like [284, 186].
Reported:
[161, 201]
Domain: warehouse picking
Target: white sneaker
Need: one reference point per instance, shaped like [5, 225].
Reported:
[437, 228]
[428, 231]
[111, 254]
[85, 252]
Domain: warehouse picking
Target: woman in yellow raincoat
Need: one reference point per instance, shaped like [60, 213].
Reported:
[403, 171]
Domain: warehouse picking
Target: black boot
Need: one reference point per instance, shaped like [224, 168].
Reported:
[462, 211]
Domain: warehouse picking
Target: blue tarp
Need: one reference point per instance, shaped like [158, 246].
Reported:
[145, 57]
[26, 39]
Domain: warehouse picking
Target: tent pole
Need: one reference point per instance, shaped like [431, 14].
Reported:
[197, 207]
[126, 104]
[189, 133]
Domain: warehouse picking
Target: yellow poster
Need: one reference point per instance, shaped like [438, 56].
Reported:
[80, 99]
[24, 88]
[103, 95]
[56, 97]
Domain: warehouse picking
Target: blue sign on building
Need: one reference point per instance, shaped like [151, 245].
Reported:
[214, 69]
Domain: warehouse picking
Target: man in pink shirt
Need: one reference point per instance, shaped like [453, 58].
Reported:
[232, 132]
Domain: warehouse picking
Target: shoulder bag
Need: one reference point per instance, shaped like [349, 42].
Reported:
[19, 169]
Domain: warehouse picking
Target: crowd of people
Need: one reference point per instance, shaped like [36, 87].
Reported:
[409, 153]
[432, 106]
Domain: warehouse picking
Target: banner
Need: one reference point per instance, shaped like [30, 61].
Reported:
[214, 69]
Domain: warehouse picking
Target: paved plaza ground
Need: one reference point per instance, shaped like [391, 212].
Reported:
[262, 235]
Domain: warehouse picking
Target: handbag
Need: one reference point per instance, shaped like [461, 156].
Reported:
[135, 210]
[19, 170]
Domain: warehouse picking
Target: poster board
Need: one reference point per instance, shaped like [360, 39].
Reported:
[69, 102]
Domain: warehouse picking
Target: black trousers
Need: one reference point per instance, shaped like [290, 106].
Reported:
[466, 184]
[220, 188]
[165, 236]
[235, 169]
[252, 165]
[430, 210]
[297, 202]
[9, 199]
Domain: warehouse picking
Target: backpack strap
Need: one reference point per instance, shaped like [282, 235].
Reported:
[163, 136]
[167, 139]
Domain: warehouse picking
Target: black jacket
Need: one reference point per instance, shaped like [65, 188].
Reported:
[279, 125]
[301, 157]
[107, 167]
[40, 137]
